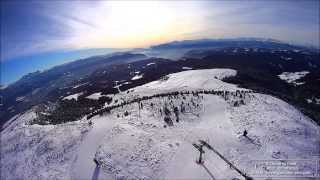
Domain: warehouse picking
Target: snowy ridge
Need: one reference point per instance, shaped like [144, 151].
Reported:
[192, 80]
[153, 137]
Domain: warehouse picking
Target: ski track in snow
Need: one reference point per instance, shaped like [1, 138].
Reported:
[138, 146]
[84, 166]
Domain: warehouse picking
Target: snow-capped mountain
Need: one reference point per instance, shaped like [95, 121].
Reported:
[148, 132]
[220, 43]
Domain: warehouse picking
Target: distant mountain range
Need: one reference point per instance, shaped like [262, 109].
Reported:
[235, 42]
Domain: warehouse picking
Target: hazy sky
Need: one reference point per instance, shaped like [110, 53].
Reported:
[36, 28]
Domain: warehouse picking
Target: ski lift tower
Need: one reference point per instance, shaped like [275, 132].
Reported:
[200, 161]
[200, 148]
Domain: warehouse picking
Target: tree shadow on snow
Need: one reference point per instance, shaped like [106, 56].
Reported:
[96, 173]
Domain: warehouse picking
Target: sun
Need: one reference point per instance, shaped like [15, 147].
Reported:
[138, 22]
[128, 24]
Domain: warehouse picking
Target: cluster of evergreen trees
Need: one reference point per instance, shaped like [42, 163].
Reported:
[69, 110]
[72, 110]
[225, 94]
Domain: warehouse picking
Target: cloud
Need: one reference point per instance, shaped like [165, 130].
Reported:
[294, 22]
[37, 27]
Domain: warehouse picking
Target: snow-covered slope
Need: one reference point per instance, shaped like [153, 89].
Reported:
[190, 80]
[152, 138]
[73, 96]
[39, 152]
[293, 77]
[193, 80]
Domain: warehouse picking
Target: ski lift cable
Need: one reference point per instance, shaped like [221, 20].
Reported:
[204, 143]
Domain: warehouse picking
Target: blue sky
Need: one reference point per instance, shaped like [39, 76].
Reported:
[41, 34]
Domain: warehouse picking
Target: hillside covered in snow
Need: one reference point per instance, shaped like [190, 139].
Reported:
[148, 132]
